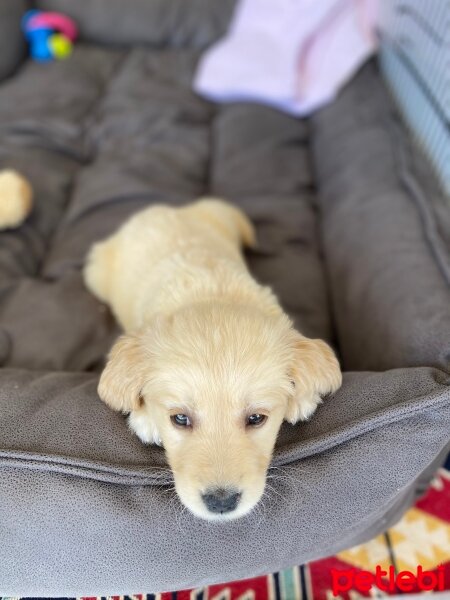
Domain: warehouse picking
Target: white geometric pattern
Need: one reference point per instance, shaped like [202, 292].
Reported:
[368, 555]
[420, 539]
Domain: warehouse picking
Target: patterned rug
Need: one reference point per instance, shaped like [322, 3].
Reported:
[421, 538]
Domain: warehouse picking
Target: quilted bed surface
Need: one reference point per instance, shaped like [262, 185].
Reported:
[347, 240]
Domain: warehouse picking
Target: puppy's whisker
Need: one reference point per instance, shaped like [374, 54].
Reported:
[271, 489]
[166, 469]
[286, 469]
[167, 490]
[261, 509]
[298, 483]
[167, 475]
[159, 470]
[177, 509]
[285, 476]
[180, 519]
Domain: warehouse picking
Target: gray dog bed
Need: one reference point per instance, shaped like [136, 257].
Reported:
[344, 207]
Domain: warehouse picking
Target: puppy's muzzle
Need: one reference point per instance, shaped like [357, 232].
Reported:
[221, 500]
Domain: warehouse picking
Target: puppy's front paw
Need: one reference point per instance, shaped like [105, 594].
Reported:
[315, 372]
[307, 407]
[144, 426]
[15, 199]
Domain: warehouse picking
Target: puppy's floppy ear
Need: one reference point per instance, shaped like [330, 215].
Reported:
[124, 375]
[314, 373]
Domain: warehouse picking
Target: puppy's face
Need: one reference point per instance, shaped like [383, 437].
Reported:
[213, 384]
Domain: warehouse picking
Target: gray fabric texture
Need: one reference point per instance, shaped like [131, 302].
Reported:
[12, 40]
[389, 313]
[85, 507]
[158, 23]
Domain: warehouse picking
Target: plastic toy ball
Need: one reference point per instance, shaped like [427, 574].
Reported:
[49, 34]
[60, 46]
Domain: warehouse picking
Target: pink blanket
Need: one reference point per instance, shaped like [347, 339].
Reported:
[291, 54]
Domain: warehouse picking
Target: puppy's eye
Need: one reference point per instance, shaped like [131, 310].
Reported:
[181, 420]
[256, 419]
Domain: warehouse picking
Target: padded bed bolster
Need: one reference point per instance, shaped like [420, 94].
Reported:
[388, 266]
[74, 482]
[12, 40]
[130, 541]
[169, 23]
[56, 422]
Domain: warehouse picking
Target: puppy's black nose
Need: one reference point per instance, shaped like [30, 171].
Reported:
[221, 500]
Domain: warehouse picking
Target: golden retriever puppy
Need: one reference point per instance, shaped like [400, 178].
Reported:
[210, 365]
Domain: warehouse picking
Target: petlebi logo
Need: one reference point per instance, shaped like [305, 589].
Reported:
[346, 580]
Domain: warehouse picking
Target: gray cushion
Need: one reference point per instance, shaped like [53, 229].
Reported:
[12, 39]
[373, 209]
[344, 246]
[175, 23]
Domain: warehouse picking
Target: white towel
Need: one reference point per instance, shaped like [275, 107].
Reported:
[291, 54]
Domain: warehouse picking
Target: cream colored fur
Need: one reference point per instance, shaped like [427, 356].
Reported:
[203, 339]
[15, 199]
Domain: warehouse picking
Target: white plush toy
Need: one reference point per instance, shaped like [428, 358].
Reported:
[16, 199]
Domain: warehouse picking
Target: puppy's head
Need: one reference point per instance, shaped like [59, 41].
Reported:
[213, 384]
